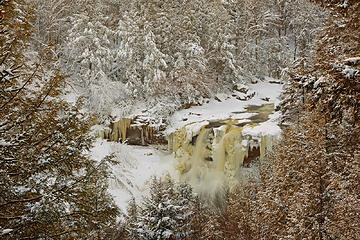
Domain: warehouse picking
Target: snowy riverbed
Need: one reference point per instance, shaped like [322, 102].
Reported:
[229, 107]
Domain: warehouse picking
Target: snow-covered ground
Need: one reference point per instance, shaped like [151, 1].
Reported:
[136, 166]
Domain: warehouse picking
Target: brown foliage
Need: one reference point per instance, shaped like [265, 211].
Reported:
[49, 187]
[314, 173]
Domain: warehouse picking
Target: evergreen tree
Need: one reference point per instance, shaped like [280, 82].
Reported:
[90, 54]
[162, 52]
[50, 21]
[88, 46]
[49, 187]
[312, 183]
[119, 52]
[166, 213]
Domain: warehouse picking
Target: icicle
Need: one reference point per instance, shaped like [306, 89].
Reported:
[115, 133]
[243, 151]
[142, 136]
[171, 142]
[123, 125]
[119, 130]
[262, 148]
[179, 142]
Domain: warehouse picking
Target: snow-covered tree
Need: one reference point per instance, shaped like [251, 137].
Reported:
[51, 22]
[90, 54]
[15, 30]
[161, 50]
[312, 188]
[119, 52]
[142, 63]
[49, 187]
[264, 33]
[166, 213]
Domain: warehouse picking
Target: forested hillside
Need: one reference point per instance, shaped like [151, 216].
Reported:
[75, 70]
[120, 53]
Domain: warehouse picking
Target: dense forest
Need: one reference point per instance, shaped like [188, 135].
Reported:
[129, 51]
[66, 65]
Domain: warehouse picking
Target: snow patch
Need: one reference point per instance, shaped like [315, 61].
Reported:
[4, 144]
[353, 60]
[136, 166]
[264, 129]
[6, 231]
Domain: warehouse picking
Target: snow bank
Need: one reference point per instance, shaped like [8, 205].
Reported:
[136, 165]
[264, 129]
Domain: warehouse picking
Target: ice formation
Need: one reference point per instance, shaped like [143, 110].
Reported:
[211, 154]
[130, 131]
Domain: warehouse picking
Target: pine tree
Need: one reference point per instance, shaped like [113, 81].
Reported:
[88, 46]
[312, 183]
[161, 50]
[166, 213]
[49, 187]
[90, 54]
